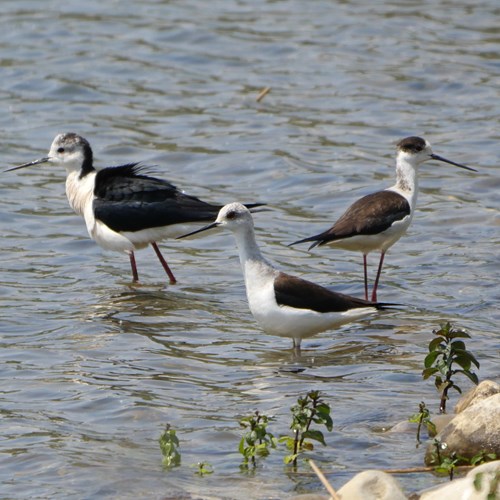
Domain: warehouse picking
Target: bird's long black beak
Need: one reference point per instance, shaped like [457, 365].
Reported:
[29, 164]
[440, 158]
[205, 228]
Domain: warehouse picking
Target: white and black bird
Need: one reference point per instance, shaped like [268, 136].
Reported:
[282, 304]
[376, 221]
[124, 209]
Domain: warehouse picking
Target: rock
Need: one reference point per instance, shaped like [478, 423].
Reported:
[482, 391]
[476, 429]
[476, 485]
[441, 421]
[372, 485]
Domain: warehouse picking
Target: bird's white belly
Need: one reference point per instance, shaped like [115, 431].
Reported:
[381, 242]
[109, 239]
[291, 322]
[287, 321]
[142, 238]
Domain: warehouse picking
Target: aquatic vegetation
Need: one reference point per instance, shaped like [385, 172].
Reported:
[446, 352]
[422, 418]
[257, 440]
[308, 410]
[169, 444]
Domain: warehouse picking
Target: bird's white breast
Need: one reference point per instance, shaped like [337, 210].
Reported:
[80, 193]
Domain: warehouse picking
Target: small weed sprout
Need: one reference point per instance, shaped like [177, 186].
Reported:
[203, 469]
[423, 418]
[169, 444]
[445, 352]
[308, 410]
[257, 440]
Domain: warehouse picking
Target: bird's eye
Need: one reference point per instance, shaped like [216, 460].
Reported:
[60, 150]
[231, 214]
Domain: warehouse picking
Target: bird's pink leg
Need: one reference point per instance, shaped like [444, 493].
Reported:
[366, 276]
[164, 263]
[135, 275]
[374, 293]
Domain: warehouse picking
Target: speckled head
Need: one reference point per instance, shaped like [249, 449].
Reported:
[70, 150]
[73, 152]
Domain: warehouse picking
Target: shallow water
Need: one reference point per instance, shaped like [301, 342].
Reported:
[92, 369]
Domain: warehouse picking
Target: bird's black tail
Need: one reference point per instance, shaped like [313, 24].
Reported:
[251, 206]
[314, 239]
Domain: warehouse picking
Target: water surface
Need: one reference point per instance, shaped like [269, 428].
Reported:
[92, 369]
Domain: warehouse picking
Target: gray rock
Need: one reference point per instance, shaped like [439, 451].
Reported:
[474, 430]
[476, 485]
[372, 485]
[441, 421]
[481, 391]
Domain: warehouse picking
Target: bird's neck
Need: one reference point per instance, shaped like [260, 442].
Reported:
[406, 178]
[252, 262]
[80, 191]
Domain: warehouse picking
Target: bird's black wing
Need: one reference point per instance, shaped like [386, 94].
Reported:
[372, 214]
[301, 294]
[126, 200]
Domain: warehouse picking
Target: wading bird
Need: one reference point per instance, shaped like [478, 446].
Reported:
[282, 304]
[124, 209]
[376, 221]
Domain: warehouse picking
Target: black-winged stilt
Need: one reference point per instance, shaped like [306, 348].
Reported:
[285, 305]
[376, 221]
[124, 209]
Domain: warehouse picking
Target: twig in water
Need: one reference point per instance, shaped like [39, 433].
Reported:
[323, 479]
[263, 93]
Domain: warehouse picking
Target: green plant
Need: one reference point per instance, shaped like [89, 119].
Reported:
[257, 440]
[203, 469]
[445, 352]
[448, 466]
[168, 445]
[423, 418]
[308, 410]
[482, 457]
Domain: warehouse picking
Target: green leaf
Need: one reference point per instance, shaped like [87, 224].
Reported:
[435, 343]
[314, 434]
[428, 372]
[241, 447]
[289, 459]
[430, 358]
[458, 344]
[471, 375]
[431, 427]
[458, 334]
[463, 352]
[462, 361]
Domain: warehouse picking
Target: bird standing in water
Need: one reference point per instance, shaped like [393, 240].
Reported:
[376, 221]
[124, 209]
[282, 304]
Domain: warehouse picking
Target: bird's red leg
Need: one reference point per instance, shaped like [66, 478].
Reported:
[374, 293]
[164, 263]
[366, 276]
[135, 275]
